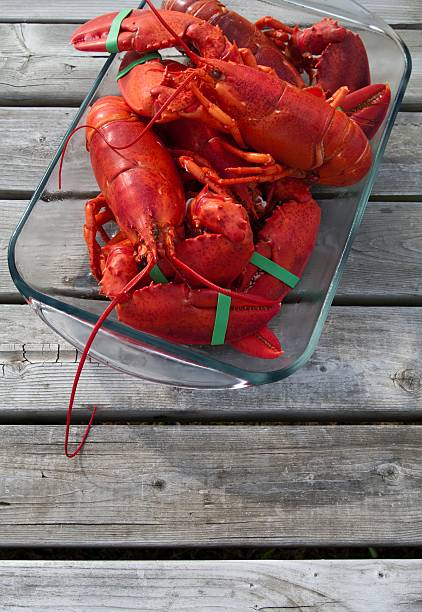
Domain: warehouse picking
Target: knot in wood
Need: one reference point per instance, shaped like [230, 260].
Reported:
[388, 471]
[159, 483]
[408, 380]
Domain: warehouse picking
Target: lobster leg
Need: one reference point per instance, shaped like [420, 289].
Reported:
[228, 124]
[94, 221]
[254, 174]
[119, 268]
[276, 30]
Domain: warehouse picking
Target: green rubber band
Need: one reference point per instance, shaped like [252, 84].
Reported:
[274, 269]
[140, 60]
[221, 319]
[111, 42]
[157, 276]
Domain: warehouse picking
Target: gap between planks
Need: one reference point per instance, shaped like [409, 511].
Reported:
[41, 129]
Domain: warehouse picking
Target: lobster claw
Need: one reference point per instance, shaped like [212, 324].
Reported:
[343, 59]
[142, 32]
[287, 238]
[92, 35]
[368, 107]
[263, 344]
[222, 252]
[178, 313]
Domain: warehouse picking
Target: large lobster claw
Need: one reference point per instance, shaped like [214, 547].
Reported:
[368, 107]
[181, 314]
[263, 344]
[343, 59]
[142, 32]
[287, 238]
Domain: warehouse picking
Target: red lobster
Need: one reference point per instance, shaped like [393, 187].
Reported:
[332, 55]
[296, 127]
[142, 192]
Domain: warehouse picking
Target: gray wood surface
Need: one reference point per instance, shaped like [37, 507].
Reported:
[52, 11]
[384, 265]
[207, 586]
[38, 66]
[367, 366]
[25, 130]
[199, 485]
[217, 484]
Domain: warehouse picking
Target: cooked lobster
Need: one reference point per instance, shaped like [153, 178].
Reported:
[235, 124]
[297, 127]
[332, 56]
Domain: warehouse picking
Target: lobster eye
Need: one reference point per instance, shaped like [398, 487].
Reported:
[217, 74]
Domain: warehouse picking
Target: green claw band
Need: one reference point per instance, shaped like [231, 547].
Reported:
[111, 42]
[274, 269]
[221, 319]
[140, 60]
[157, 276]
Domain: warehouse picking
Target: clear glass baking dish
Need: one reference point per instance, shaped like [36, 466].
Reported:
[48, 259]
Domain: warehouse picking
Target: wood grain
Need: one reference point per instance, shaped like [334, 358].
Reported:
[206, 586]
[198, 485]
[53, 11]
[366, 366]
[25, 130]
[38, 66]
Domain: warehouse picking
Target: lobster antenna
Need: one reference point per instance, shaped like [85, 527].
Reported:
[72, 133]
[197, 59]
[253, 299]
[125, 146]
[119, 298]
[155, 118]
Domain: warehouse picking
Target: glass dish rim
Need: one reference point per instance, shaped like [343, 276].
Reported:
[176, 351]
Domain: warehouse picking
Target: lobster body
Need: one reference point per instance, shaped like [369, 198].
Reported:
[295, 126]
[142, 187]
[332, 55]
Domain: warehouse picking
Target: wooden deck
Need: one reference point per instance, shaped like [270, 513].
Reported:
[330, 456]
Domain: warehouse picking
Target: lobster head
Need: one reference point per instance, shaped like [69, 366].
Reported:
[242, 91]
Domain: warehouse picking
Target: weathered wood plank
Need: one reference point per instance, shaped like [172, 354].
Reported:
[386, 254]
[385, 261]
[413, 40]
[26, 130]
[400, 12]
[39, 67]
[205, 586]
[196, 485]
[366, 366]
